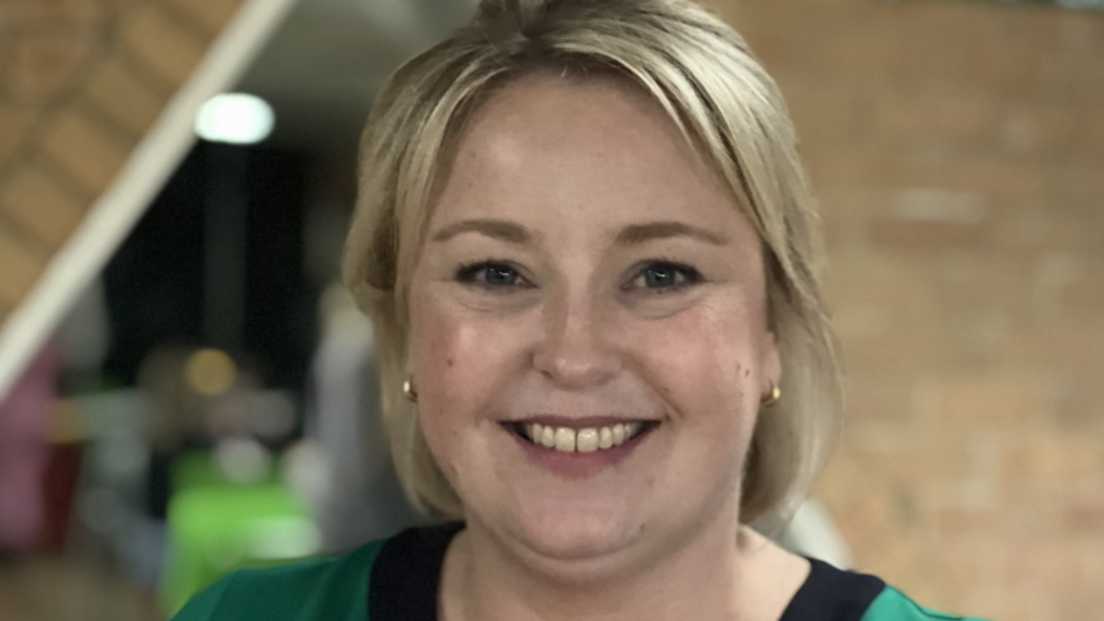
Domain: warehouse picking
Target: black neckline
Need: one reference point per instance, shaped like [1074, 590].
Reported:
[405, 580]
[831, 594]
[406, 575]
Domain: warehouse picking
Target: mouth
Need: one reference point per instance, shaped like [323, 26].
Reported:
[581, 440]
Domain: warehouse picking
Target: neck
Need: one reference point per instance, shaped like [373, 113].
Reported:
[699, 578]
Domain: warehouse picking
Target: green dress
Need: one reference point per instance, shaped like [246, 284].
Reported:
[396, 579]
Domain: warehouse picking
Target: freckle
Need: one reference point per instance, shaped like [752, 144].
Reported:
[747, 372]
[450, 362]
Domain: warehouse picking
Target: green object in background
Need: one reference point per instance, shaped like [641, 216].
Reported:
[197, 469]
[216, 526]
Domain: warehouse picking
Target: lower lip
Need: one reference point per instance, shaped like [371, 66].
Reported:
[575, 465]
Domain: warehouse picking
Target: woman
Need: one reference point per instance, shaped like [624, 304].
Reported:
[585, 241]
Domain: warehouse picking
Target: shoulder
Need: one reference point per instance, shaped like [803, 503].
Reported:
[894, 605]
[331, 588]
[831, 594]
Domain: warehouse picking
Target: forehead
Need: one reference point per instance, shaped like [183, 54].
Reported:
[542, 115]
[547, 146]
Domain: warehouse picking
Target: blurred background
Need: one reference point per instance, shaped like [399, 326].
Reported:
[184, 389]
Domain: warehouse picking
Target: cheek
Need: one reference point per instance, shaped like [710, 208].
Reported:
[457, 360]
[704, 363]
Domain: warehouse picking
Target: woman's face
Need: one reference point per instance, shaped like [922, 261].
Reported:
[586, 283]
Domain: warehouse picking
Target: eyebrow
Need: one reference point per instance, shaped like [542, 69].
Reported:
[631, 235]
[503, 230]
[635, 234]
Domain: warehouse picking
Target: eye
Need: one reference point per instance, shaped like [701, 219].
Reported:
[490, 274]
[662, 276]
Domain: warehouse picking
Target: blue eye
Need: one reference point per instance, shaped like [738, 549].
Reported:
[665, 276]
[489, 274]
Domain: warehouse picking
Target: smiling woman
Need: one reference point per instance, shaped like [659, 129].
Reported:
[586, 243]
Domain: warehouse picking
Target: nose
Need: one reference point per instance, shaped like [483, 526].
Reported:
[577, 348]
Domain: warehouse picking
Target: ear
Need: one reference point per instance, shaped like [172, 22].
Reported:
[770, 361]
[408, 364]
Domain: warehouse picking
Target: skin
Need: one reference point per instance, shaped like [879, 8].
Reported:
[590, 309]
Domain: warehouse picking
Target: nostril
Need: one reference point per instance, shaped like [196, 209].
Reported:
[576, 364]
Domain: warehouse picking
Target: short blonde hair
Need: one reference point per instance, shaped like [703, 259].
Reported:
[703, 76]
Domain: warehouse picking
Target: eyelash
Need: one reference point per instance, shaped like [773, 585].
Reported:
[690, 276]
[468, 273]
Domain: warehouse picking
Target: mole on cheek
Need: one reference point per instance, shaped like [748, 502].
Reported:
[449, 362]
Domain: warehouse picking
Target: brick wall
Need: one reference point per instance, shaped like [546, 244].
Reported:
[958, 151]
[80, 83]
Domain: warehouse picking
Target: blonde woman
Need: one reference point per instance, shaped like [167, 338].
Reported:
[587, 247]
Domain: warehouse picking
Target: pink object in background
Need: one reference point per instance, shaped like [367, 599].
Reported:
[24, 451]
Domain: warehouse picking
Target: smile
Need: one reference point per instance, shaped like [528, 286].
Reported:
[585, 440]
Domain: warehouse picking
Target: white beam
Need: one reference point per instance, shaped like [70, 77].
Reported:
[151, 163]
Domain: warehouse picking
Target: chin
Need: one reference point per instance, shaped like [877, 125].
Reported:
[572, 532]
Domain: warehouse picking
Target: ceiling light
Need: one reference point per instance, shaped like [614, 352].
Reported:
[237, 118]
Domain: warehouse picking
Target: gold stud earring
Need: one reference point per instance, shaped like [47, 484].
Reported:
[772, 398]
[408, 389]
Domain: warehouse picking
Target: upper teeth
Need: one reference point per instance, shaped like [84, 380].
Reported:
[584, 440]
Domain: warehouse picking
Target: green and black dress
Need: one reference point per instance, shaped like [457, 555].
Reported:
[396, 579]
